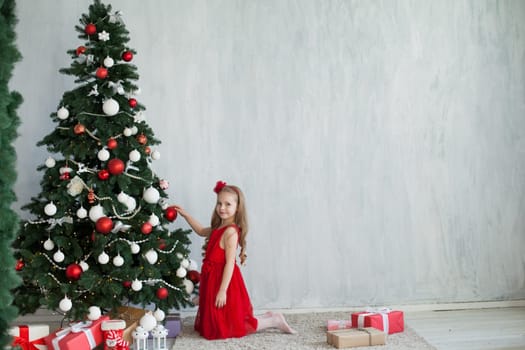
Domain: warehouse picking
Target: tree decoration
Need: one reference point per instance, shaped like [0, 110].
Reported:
[62, 113]
[112, 143]
[162, 293]
[104, 225]
[19, 265]
[127, 56]
[103, 174]
[102, 73]
[90, 29]
[73, 272]
[101, 224]
[170, 213]
[110, 107]
[79, 129]
[81, 50]
[116, 166]
[108, 62]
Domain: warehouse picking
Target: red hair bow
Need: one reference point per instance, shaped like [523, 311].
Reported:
[219, 186]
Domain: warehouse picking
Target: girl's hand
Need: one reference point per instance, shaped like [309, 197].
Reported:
[220, 300]
[180, 210]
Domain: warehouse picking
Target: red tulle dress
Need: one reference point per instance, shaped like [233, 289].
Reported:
[233, 320]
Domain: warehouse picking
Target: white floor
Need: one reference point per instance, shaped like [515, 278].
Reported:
[475, 329]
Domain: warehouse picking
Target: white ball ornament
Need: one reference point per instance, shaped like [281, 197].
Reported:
[134, 155]
[50, 162]
[62, 113]
[103, 258]
[103, 155]
[155, 155]
[84, 266]
[185, 263]
[49, 245]
[65, 304]
[136, 285]
[127, 132]
[181, 272]
[135, 248]
[159, 315]
[110, 107]
[108, 62]
[148, 321]
[188, 285]
[50, 209]
[58, 256]
[151, 256]
[151, 195]
[118, 261]
[154, 220]
[96, 212]
[94, 313]
[82, 213]
[131, 203]
[134, 130]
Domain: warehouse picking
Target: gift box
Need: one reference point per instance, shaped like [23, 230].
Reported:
[389, 321]
[113, 335]
[79, 335]
[29, 337]
[132, 316]
[332, 325]
[348, 338]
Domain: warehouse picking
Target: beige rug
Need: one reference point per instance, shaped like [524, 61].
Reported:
[311, 328]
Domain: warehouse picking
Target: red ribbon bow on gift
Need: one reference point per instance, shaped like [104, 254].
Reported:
[23, 340]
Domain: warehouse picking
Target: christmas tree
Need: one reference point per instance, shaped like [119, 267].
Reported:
[100, 237]
[9, 122]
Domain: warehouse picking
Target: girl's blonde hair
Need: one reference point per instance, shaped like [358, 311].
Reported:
[241, 220]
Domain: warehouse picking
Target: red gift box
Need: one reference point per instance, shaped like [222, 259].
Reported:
[29, 337]
[81, 335]
[389, 321]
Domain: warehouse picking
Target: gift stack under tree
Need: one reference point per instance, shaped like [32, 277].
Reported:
[99, 235]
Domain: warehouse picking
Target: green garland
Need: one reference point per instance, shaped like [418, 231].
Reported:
[9, 121]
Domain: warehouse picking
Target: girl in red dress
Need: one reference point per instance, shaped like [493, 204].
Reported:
[225, 310]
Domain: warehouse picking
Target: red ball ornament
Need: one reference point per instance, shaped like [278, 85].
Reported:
[194, 276]
[116, 166]
[126, 284]
[162, 244]
[132, 102]
[79, 129]
[162, 293]
[142, 139]
[170, 213]
[112, 143]
[104, 225]
[90, 29]
[146, 228]
[80, 50]
[19, 265]
[73, 272]
[103, 174]
[127, 56]
[102, 73]
[147, 150]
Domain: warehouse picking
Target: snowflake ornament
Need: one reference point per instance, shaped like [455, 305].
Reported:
[103, 36]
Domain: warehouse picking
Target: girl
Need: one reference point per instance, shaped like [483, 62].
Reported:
[225, 310]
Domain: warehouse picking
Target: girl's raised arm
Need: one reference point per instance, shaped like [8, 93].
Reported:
[195, 225]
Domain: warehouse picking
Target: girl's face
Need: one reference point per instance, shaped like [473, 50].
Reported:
[226, 206]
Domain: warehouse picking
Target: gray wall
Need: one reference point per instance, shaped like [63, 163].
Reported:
[380, 144]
